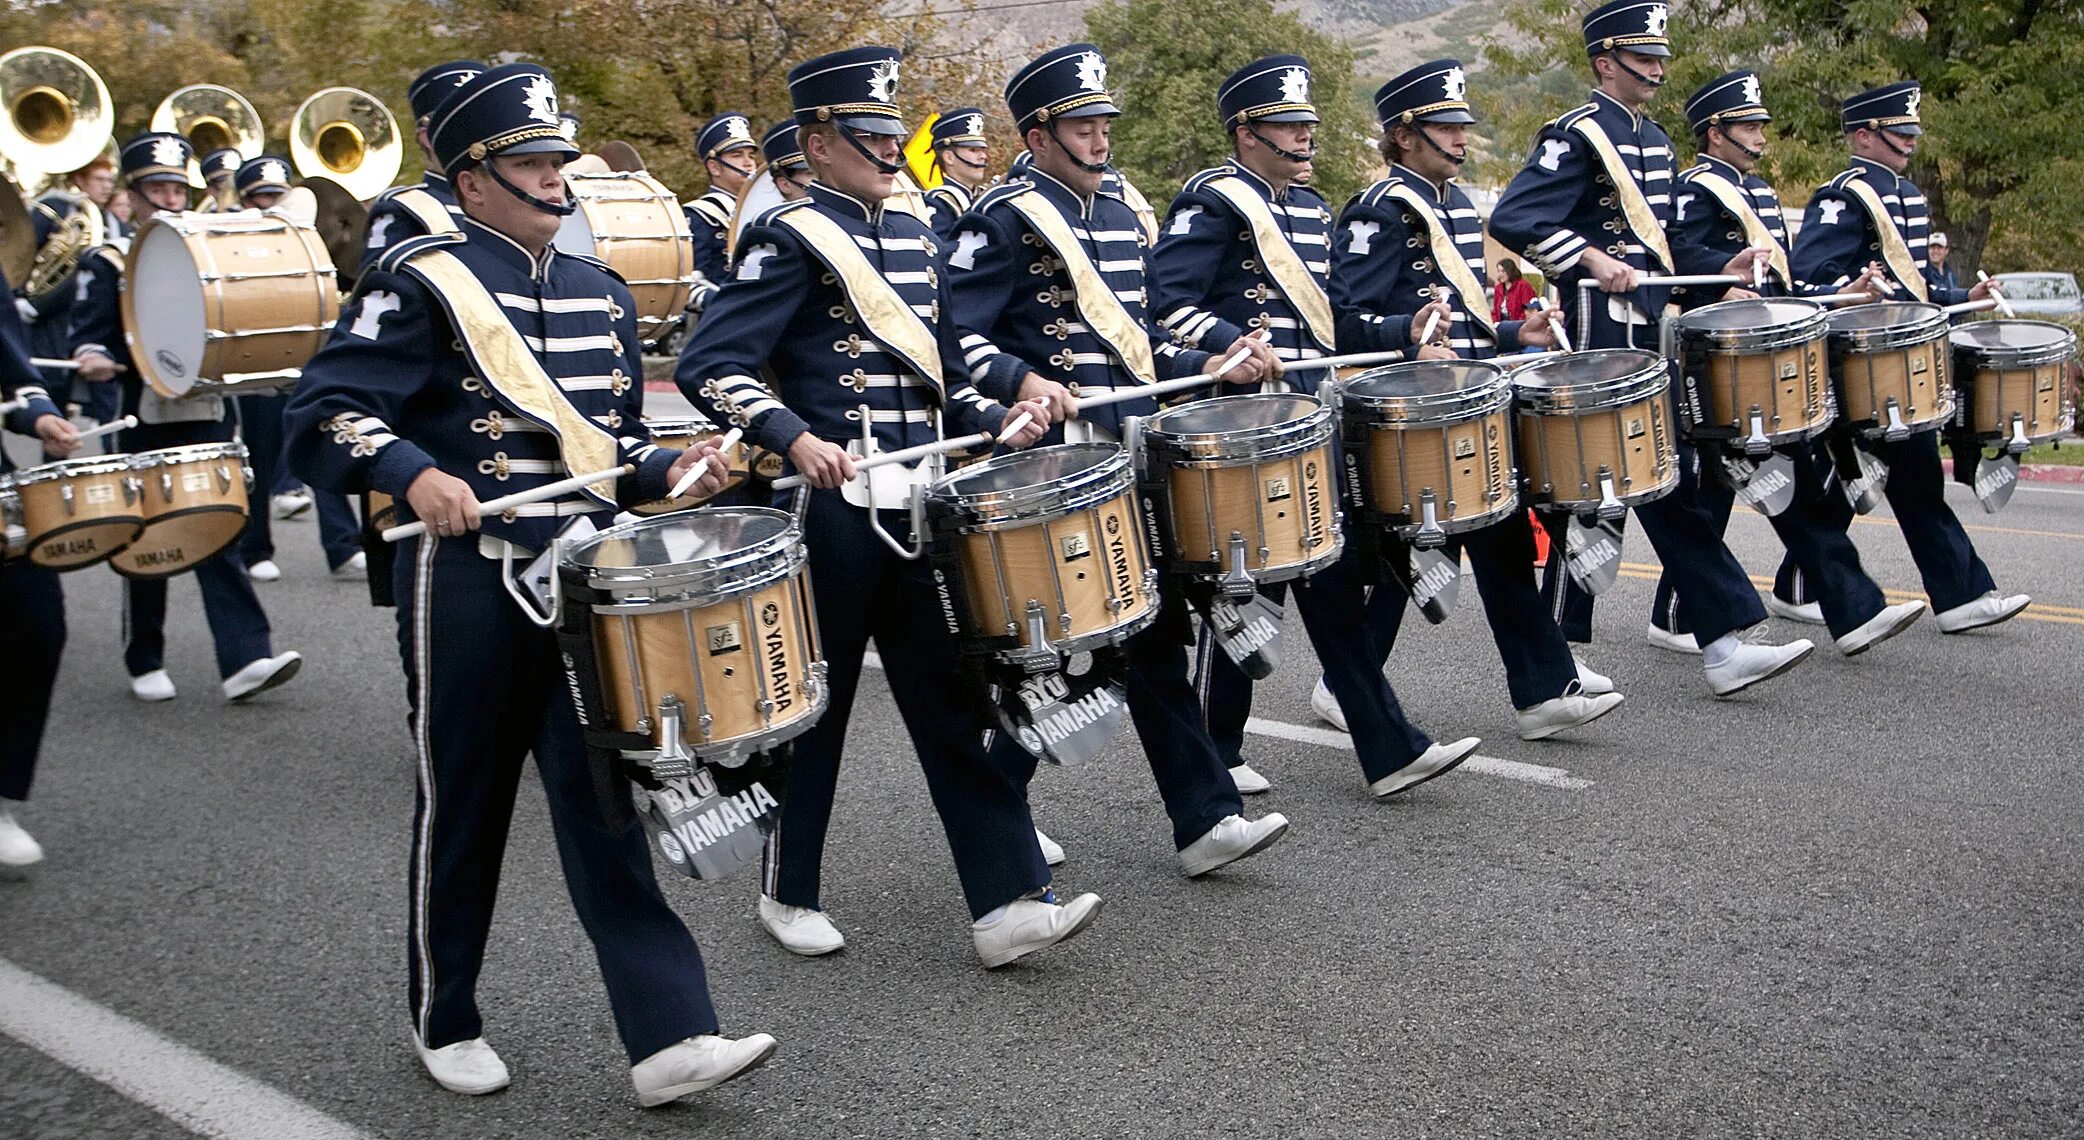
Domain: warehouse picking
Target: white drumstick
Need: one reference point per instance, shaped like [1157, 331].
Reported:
[519, 498]
[1020, 421]
[905, 455]
[1562, 338]
[1758, 274]
[1347, 360]
[1672, 281]
[1146, 391]
[1432, 322]
[2002, 304]
[694, 473]
[62, 364]
[111, 426]
[1970, 306]
[1239, 355]
[1837, 298]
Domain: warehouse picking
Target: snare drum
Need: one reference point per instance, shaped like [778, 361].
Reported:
[1430, 442]
[1594, 430]
[683, 432]
[2012, 378]
[703, 619]
[75, 512]
[1048, 550]
[194, 501]
[631, 221]
[1246, 487]
[1755, 372]
[225, 304]
[1890, 363]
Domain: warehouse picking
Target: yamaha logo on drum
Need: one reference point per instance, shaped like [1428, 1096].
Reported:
[770, 615]
[170, 363]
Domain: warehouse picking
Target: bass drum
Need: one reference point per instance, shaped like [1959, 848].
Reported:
[758, 198]
[225, 304]
[631, 221]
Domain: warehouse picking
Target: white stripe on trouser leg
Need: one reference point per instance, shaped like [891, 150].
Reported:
[422, 591]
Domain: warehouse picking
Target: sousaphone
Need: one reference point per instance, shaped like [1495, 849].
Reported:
[58, 114]
[212, 118]
[348, 136]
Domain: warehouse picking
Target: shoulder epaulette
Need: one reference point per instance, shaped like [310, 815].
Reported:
[710, 211]
[1843, 177]
[1203, 178]
[110, 254]
[396, 256]
[1563, 121]
[1003, 192]
[1373, 195]
[394, 191]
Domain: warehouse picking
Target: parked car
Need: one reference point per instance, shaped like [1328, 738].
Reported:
[2041, 294]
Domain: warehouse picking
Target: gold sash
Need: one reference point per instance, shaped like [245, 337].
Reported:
[1893, 249]
[433, 216]
[1448, 256]
[1134, 199]
[1282, 263]
[503, 359]
[884, 313]
[1737, 201]
[1096, 302]
[1636, 208]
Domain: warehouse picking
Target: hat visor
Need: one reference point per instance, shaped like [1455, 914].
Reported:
[873, 124]
[1910, 130]
[264, 188]
[1451, 115]
[1090, 110]
[158, 176]
[1658, 50]
[1288, 117]
[540, 146]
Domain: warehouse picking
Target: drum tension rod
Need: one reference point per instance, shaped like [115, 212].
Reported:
[674, 761]
[2018, 444]
[1040, 654]
[1610, 505]
[1756, 444]
[1429, 533]
[1897, 429]
[1237, 581]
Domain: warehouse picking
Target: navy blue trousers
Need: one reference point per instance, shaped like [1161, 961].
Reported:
[485, 689]
[1818, 550]
[32, 612]
[238, 625]
[1953, 574]
[1331, 602]
[865, 591]
[1538, 665]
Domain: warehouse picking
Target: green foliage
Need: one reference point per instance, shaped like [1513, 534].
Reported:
[1166, 58]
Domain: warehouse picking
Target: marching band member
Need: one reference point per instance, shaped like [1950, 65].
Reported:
[429, 205]
[155, 175]
[1605, 170]
[1872, 213]
[49, 314]
[728, 152]
[32, 604]
[963, 155]
[220, 170]
[466, 366]
[1245, 249]
[785, 161]
[1047, 283]
[842, 302]
[1723, 206]
[1405, 249]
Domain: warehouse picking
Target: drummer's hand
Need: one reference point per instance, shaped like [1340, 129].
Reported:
[1613, 276]
[445, 503]
[1037, 411]
[1434, 350]
[96, 368]
[1419, 319]
[715, 470]
[59, 437]
[1739, 293]
[1062, 404]
[1258, 362]
[1745, 263]
[1882, 280]
[1535, 331]
[823, 465]
[1983, 289]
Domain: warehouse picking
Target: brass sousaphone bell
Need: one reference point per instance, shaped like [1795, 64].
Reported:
[212, 118]
[58, 114]
[348, 136]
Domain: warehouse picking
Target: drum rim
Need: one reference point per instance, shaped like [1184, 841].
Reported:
[1931, 324]
[1151, 425]
[1111, 478]
[1238, 446]
[187, 453]
[85, 465]
[2064, 346]
[1813, 325]
[1649, 381]
[681, 585]
[1430, 411]
[1501, 378]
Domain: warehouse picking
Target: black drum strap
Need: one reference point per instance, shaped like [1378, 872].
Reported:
[582, 679]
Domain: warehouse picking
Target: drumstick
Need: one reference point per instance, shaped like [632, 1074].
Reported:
[1239, 355]
[1432, 322]
[905, 455]
[519, 498]
[1020, 421]
[2001, 302]
[1669, 282]
[1758, 274]
[62, 364]
[1148, 391]
[112, 425]
[1562, 338]
[1349, 360]
[1836, 298]
[1970, 306]
[694, 473]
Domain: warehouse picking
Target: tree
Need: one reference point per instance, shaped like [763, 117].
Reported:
[1166, 59]
[2000, 160]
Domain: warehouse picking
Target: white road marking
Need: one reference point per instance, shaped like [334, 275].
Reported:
[1332, 738]
[167, 1077]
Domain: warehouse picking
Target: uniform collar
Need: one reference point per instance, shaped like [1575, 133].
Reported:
[1265, 188]
[509, 252]
[436, 180]
[845, 204]
[1405, 174]
[1634, 116]
[1874, 171]
[1726, 169]
[1061, 194]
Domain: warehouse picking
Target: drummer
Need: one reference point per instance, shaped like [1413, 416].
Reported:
[154, 167]
[963, 156]
[32, 604]
[727, 150]
[785, 161]
[397, 401]
[1010, 285]
[1872, 210]
[1577, 187]
[855, 339]
[220, 170]
[429, 205]
[1398, 257]
[1723, 207]
[1246, 249]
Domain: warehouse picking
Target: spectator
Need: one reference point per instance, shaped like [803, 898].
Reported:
[1509, 296]
[1936, 254]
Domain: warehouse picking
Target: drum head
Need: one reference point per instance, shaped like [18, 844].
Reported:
[1233, 414]
[2015, 335]
[1425, 378]
[167, 334]
[1586, 369]
[1883, 315]
[1026, 470]
[575, 234]
[1748, 315]
[716, 534]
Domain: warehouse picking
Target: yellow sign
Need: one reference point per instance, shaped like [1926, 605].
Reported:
[919, 155]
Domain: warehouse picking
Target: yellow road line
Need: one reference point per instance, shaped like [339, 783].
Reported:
[2039, 611]
[1981, 528]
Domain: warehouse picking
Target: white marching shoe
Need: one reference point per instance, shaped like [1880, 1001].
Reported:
[799, 929]
[1989, 609]
[17, 847]
[696, 1064]
[1676, 642]
[1749, 663]
[290, 504]
[264, 571]
[1808, 613]
[1327, 707]
[1024, 926]
[153, 686]
[1249, 782]
[262, 675]
[356, 566]
[1437, 760]
[1891, 621]
[1052, 852]
[1232, 838]
[468, 1067]
[1592, 681]
[1561, 714]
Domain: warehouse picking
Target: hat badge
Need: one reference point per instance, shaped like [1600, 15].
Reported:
[1454, 84]
[273, 172]
[737, 128]
[882, 81]
[463, 77]
[166, 152]
[541, 100]
[1750, 92]
[1092, 71]
[1295, 85]
[973, 125]
[1910, 105]
[1655, 21]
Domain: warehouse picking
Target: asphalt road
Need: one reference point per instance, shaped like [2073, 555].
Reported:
[1846, 904]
